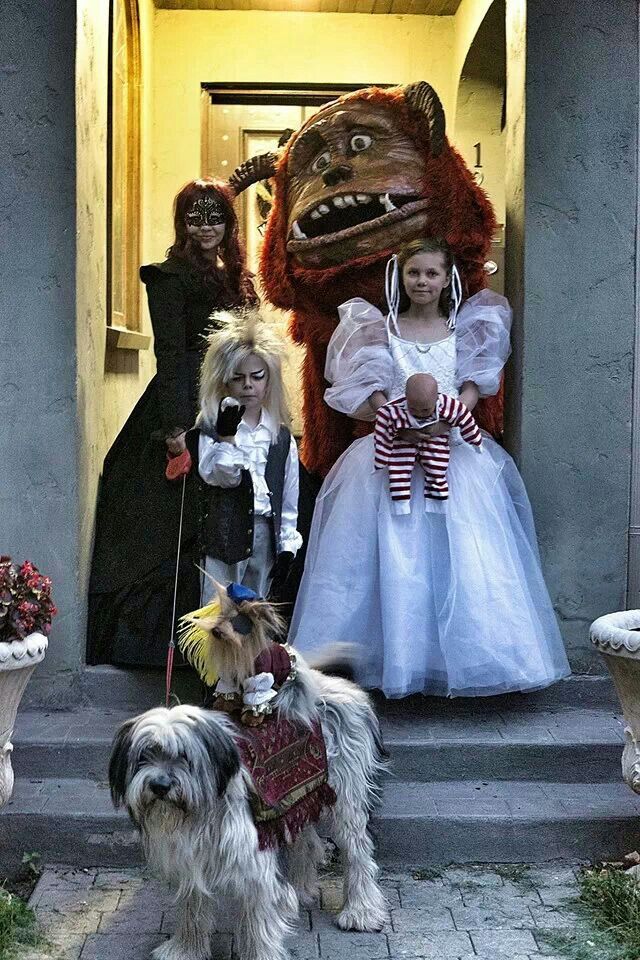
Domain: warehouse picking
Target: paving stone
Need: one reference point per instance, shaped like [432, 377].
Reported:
[345, 945]
[304, 946]
[550, 918]
[558, 895]
[432, 946]
[496, 916]
[119, 880]
[119, 947]
[553, 876]
[417, 920]
[472, 874]
[72, 899]
[505, 941]
[57, 925]
[430, 898]
[131, 922]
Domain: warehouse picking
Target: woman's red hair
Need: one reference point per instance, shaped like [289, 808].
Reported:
[235, 278]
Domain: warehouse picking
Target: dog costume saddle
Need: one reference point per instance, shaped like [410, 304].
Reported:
[288, 770]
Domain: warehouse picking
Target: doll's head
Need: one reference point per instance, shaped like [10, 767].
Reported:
[425, 263]
[243, 360]
[421, 394]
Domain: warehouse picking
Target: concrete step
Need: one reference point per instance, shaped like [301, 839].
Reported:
[138, 689]
[506, 821]
[72, 821]
[579, 744]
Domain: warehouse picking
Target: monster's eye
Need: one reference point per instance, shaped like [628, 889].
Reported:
[360, 142]
[321, 162]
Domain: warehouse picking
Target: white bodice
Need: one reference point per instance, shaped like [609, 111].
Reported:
[438, 359]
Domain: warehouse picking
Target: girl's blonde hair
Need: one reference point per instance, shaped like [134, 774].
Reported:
[239, 334]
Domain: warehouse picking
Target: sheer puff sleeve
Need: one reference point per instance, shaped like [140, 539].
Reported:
[482, 341]
[358, 357]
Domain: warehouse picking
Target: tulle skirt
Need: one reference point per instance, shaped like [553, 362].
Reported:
[448, 599]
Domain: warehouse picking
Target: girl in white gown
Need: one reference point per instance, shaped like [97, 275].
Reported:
[450, 598]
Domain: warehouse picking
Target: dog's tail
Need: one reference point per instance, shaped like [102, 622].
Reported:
[336, 659]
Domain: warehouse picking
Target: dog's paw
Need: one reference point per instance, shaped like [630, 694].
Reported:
[365, 921]
[170, 950]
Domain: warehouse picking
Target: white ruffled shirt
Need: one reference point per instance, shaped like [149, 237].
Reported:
[220, 464]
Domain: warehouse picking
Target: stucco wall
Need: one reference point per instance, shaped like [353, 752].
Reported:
[576, 308]
[38, 433]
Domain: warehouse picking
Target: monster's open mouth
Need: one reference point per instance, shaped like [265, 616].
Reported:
[343, 213]
[350, 215]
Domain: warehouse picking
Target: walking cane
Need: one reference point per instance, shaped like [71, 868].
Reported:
[177, 467]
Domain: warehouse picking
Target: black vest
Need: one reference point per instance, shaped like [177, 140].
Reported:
[228, 518]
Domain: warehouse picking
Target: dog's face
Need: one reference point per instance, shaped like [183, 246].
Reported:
[172, 762]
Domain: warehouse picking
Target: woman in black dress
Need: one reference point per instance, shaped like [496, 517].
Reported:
[137, 522]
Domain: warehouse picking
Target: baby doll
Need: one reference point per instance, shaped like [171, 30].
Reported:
[422, 405]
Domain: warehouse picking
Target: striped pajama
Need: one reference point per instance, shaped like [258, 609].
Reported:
[432, 453]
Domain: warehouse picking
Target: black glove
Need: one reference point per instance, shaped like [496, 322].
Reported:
[192, 441]
[279, 574]
[228, 419]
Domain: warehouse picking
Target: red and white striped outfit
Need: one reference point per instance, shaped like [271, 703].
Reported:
[432, 452]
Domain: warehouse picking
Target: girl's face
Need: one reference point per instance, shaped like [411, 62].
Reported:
[249, 383]
[205, 223]
[425, 277]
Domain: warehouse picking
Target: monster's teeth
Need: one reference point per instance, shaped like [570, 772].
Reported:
[363, 198]
[315, 214]
[297, 232]
[323, 208]
[339, 202]
[349, 200]
[387, 203]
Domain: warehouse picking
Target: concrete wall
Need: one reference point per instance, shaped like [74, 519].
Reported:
[571, 237]
[39, 517]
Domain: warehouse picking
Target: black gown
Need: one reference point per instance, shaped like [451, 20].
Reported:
[138, 511]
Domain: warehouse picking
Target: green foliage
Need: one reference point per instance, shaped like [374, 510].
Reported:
[607, 919]
[17, 925]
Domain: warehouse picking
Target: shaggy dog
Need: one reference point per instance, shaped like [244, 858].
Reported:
[179, 774]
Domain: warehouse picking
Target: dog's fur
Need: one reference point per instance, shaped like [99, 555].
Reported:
[178, 772]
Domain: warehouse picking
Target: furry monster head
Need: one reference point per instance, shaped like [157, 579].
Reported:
[366, 174]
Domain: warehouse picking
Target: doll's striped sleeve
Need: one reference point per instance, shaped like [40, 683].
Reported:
[458, 415]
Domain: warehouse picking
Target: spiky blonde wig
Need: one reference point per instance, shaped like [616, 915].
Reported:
[239, 334]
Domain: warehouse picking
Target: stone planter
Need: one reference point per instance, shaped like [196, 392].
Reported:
[617, 637]
[18, 660]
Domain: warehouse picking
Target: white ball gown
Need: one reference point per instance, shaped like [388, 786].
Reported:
[449, 599]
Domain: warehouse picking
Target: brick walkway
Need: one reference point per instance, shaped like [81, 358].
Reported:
[501, 912]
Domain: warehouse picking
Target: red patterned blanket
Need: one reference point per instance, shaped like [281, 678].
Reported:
[288, 767]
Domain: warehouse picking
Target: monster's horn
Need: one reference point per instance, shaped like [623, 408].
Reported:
[422, 98]
[257, 168]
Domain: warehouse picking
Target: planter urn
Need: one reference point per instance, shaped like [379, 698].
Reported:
[617, 637]
[18, 660]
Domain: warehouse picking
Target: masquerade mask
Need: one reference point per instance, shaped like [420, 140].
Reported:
[205, 212]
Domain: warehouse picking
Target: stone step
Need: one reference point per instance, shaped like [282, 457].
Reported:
[418, 824]
[580, 745]
[138, 689]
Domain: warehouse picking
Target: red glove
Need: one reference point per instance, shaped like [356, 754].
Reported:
[178, 466]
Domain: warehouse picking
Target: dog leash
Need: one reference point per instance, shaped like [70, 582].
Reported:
[177, 467]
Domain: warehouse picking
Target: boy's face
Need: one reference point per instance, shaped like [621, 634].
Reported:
[249, 383]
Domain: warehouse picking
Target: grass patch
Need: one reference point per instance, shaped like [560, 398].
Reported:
[608, 919]
[17, 925]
